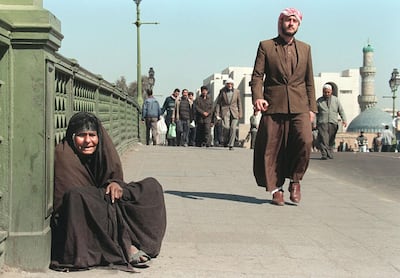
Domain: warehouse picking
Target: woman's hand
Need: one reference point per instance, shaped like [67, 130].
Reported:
[115, 191]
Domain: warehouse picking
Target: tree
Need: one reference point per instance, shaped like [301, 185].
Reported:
[131, 90]
[121, 83]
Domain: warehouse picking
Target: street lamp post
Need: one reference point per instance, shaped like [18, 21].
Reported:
[138, 23]
[394, 83]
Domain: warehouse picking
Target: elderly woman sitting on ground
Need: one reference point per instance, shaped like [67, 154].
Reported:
[98, 219]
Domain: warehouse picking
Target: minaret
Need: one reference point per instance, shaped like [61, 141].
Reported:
[367, 99]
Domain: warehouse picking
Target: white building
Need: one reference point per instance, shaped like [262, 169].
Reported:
[346, 86]
[241, 76]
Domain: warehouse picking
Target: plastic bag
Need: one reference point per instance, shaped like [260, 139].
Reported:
[161, 126]
[161, 131]
[171, 131]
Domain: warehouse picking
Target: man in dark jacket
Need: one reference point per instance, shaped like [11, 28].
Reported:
[204, 107]
[169, 108]
[192, 125]
[183, 116]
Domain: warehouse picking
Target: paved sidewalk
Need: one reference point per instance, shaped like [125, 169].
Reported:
[220, 224]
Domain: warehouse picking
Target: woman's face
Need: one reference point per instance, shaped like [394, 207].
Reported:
[86, 141]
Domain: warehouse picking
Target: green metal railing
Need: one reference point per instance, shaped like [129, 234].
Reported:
[76, 89]
[39, 92]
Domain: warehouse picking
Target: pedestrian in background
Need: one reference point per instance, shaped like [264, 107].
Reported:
[254, 122]
[282, 88]
[396, 126]
[362, 142]
[204, 107]
[228, 108]
[168, 109]
[218, 139]
[343, 146]
[183, 116]
[192, 126]
[387, 138]
[314, 132]
[329, 110]
[377, 142]
[151, 113]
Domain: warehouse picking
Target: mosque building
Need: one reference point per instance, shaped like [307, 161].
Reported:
[371, 119]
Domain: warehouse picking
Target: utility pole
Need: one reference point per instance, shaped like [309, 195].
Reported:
[394, 83]
[138, 23]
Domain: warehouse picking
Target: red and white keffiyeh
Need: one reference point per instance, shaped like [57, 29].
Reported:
[291, 12]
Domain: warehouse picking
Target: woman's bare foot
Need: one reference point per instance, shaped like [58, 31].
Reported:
[138, 257]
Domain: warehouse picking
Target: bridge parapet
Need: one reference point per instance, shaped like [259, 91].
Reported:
[39, 91]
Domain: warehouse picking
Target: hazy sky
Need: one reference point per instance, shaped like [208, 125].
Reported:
[196, 38]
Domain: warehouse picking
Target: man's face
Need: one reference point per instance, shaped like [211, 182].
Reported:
[327, 92]
[229, 86]
[204, 92]
[185, 94]
[290, 25]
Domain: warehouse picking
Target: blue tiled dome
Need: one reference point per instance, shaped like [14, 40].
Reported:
[370, 120]
[368, 48]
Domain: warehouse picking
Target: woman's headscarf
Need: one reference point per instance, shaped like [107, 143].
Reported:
[85, 121]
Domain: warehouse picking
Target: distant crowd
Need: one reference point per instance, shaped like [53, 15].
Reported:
[184, 120]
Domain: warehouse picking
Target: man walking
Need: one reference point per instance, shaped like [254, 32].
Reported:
[229, 109]
[362, 142]
[184, 115]
[283, 90]
[203, 105]
[151, 113]
[329, 108]
[387, 138]
[169, 108]
[192, 125]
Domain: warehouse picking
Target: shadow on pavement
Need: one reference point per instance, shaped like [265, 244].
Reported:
[221, 196]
